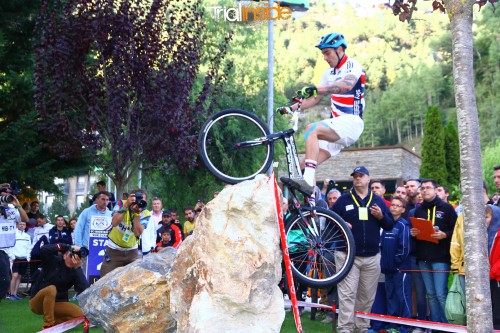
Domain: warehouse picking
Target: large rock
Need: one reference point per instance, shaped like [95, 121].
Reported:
[134, 298]
[226, 274]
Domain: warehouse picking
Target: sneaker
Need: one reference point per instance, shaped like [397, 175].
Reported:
[17, 297]
[298, 184]
[74, 298]
[12, 298]
[327, 320]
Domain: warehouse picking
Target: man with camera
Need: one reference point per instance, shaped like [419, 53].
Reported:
[60, 271]
[10, 213]
[130, 218]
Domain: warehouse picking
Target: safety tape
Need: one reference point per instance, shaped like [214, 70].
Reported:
[67, 325]
[395, 320]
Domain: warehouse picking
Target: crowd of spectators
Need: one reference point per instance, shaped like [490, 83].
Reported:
[415, 271]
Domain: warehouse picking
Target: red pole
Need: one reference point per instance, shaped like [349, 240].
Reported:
[286, 257]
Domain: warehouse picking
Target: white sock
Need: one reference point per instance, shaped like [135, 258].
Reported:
[310, 171]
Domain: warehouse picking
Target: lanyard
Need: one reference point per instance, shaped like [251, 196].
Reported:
[356, 201]
[433, 215]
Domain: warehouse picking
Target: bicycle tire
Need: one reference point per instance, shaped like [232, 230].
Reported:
[306, 250]
[227, 161]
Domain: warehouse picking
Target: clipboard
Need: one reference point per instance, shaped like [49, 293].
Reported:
[426, 229]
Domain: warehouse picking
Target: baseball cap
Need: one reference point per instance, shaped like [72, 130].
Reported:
[166, 212]
[360, 169]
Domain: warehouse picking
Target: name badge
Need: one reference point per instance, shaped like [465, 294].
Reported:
[363, 213]
[349, 207]
[126, 235]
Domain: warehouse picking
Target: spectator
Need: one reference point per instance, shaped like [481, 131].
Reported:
[167, 239]
[412, 187]
[59, 233]
[175, 216]
[401, 192]
[156, 214]
[495, 199]
[98, 211]
[32, 214]
[125, 196]
[199, 206]
[378, 188]
[71, 228]
[9, 215]
[60, 272]
[284, 208]
[189, 215]
[327, 185]
[496, 179]
[169, 223]
[42, 229]
[395, 249]
[443, 193]
[101, 187]
[128, 223]
[332, 197]
[21, 253]
[435, 257]
[493, 224]
[365, 214]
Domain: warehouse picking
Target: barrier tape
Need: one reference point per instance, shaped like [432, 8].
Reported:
[395, 320]
[286, 256]
[67, 325]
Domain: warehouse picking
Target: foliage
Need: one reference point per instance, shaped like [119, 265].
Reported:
[433, 155]
[59, 207]
[117, 81]
[452, 155]
[33, 165]
[490, 160]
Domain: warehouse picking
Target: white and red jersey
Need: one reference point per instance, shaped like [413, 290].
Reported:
[353, 101]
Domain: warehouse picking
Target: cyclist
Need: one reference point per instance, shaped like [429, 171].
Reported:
[345, 81]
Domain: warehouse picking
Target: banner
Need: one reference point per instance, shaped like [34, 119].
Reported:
[99, 229]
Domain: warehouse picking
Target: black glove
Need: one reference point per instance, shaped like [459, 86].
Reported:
[307, 92]
[284, 110]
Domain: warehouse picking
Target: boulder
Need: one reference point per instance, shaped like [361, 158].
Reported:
[226, 273]
[134, 298]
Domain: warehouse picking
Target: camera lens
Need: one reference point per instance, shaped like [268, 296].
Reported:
[6, 198]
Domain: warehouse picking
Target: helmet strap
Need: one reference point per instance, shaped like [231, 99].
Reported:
[338, 61]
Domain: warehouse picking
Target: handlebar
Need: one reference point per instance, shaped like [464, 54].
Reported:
[295, 114]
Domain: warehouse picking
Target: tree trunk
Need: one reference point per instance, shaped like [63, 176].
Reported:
[479, 316]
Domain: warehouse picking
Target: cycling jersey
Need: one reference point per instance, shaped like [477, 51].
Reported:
[353, 101]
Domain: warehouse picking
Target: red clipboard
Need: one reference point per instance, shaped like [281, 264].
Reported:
[426, 229]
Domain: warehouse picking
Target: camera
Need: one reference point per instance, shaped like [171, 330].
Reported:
[82, 253]
[14, 189]
[139, 200]
[331, 183]
[6, 199]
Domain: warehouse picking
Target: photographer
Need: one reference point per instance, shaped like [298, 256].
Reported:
[10, 213]
[60, 271]
[130, 217]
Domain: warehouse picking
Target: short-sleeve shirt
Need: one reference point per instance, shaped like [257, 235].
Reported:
[353, 101]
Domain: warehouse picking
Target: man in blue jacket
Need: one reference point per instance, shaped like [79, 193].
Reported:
[365, 213]
[395, 248]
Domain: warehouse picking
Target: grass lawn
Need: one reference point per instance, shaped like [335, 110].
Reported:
[16, 317]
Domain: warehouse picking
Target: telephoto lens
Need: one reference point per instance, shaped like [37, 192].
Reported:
[6, 198]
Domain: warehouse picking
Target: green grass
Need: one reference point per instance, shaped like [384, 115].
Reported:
[16, 317]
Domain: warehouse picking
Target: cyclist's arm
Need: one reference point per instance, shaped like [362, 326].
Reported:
[339, 87]
[307, 103]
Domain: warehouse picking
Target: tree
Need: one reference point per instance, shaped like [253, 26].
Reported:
[117, 80]
[433, 155]
[460, 13]
[452, 155]
[23, 157]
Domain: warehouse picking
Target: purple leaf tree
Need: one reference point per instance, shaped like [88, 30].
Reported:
[121, 80]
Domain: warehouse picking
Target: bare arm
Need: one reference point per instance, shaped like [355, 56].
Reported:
[342, 86]
[138, 227]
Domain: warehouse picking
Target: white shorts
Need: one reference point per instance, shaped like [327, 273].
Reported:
[348, 127]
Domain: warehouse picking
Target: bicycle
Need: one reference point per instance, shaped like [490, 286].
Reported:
[236, 145]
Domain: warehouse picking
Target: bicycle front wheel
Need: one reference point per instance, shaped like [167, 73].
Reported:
[320, 240]
[234, 147]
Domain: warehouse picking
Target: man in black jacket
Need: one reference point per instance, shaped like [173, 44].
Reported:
[434, 258]
[60, 271]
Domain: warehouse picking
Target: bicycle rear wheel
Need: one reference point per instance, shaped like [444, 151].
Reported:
[234, 147]
[313, 242]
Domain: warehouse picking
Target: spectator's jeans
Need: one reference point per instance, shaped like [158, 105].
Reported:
[436, 285]
[419, 287]
[357, 291]
[44, 303]
[398, 293]
[4, 274]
